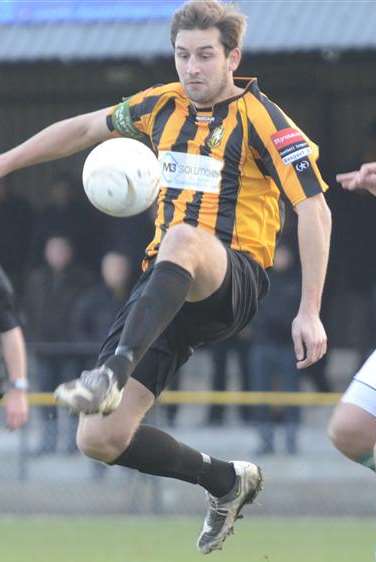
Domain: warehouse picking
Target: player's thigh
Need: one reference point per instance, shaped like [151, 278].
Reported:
[201, 253]
[211, 267]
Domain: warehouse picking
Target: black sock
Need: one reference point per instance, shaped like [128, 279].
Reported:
[153, 451]
[162, 298]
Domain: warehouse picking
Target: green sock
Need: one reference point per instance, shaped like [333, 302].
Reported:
[367, 460]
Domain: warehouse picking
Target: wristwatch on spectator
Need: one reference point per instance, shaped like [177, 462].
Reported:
[19, 384]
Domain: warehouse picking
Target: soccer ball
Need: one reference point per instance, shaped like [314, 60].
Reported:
[121, 177]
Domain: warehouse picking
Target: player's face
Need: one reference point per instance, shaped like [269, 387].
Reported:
[202, 66]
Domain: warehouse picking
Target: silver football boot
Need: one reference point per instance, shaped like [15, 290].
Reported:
[223, 512]
[95, 392]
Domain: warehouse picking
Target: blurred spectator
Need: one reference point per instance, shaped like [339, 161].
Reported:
[68, 212]
[317, 375]
[130, 236]
[16, 220]
[51, 295]
[98, 307]
[220, 353]
[273, 362]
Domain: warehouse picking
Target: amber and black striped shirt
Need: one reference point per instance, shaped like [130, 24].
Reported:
[223, 168]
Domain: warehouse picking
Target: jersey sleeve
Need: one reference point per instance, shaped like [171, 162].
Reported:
[285, 153]
[8, 314]
[132, 117]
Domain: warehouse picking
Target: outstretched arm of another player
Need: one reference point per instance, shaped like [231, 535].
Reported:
[314, 228]
[57, 141]
[364, 178]
[14, 353]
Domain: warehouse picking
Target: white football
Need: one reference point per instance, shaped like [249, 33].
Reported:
[121, 177]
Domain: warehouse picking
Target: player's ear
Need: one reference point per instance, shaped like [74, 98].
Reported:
[234, 59]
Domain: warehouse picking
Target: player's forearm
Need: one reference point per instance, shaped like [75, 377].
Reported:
[314, 229]
[14, 353]
[56, 141]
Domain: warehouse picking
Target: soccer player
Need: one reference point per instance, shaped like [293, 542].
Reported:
[226, 153]
[352, 428]
[14, 355]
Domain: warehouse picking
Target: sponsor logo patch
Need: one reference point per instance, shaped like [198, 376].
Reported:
[190, 171]
[291, 145]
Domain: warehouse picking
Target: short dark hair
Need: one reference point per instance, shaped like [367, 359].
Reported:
[204, 14]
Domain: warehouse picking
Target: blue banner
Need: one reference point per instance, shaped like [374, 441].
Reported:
[37, 11]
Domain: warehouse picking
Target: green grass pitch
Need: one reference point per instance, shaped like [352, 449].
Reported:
[121, 539]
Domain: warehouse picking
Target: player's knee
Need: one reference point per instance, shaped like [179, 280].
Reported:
[337, 432]
[345, 435]
[182, 238]
[103, 446]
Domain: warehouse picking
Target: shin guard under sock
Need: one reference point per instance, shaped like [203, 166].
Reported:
[162, 298]
[153, 451]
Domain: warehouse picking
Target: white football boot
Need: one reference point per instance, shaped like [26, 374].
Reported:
[95, 392]
[223, 512]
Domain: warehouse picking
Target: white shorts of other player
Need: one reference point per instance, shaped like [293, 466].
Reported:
[362, 390]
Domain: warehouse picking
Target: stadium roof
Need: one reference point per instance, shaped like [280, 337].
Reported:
[273, 26]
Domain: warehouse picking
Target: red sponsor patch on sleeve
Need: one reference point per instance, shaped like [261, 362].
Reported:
[285, 137]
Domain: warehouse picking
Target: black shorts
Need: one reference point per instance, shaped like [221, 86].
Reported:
[222, 315]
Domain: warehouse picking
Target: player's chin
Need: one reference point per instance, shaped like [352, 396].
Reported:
[197, 93]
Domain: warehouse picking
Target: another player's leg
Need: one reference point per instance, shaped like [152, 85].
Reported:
[191, 265]
[352, 428]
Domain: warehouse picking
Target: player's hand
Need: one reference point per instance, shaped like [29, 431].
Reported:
[16, 408]
[364, 178]
[309, 338]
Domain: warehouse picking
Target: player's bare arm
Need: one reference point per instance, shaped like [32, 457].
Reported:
[58, 141]
[314, 228]
[364, 178]
[14, 353]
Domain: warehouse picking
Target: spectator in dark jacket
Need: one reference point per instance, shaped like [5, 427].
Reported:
[51, 295]
[97, 308]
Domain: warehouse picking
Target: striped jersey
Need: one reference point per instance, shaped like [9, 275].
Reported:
[223, 168]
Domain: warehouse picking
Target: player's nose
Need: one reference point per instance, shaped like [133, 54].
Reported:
[192, 67]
